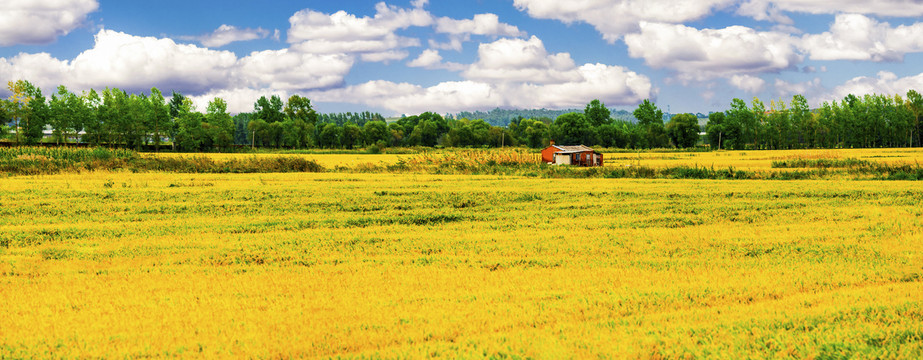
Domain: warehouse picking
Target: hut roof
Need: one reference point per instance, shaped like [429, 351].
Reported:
[573, 149]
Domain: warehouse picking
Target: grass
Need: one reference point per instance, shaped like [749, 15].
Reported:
[412, 264]
[38, 161]
[509, 162]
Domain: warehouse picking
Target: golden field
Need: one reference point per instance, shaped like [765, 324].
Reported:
[339, 264]
[743, 160]
[762, 159]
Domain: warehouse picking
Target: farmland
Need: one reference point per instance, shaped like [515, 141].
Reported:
[413, 264]
[746, 160]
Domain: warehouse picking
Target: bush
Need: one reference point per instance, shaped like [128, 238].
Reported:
[38, 161]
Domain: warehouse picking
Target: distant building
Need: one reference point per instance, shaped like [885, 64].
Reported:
[571, 155]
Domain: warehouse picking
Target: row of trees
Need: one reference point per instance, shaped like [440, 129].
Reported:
[116, 118]
[596, 126]
[854, 122]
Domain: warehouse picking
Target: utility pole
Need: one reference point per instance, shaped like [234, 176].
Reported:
[253, 139]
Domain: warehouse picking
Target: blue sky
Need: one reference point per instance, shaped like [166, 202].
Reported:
[406, 57]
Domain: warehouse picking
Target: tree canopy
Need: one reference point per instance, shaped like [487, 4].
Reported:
[114, 117]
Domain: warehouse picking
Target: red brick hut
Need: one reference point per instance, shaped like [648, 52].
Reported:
[571, 155]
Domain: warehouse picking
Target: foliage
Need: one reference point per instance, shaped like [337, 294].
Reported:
[29, 111]
[572, 129]
[36, 161]
[870, 121]
[650, 124]
[597, 114]
[360, 118]
[116, 118]
[715, 130]
[683, 130]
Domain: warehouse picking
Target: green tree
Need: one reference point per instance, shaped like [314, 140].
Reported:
[650, 122]
[28, 109]
[304, 120]
[683, 130]
[269, 110]
[800, 115]
[135, 125]
[221, 125]
[258, 132]
[329, 136]
[779, 121]
[241, 135]
[903, 122]
[160, 117]
[499, 137]
[37, 118]
[95, 121]
[190, 135]
[180, 105]
[571, 129]
[534, 133]
[375, 131]
[299, 108]
[60, 115]
[5, 118]
[760, 123]
[738, 124]
[597, 114]
[715, 130]
[610, 135]
[826, 120]
[397, 133]
[915, 103]
[351, 135]
[460, 134]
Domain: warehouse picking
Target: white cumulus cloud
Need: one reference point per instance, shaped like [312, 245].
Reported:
[858, 37]
[226, 34]
[136, 64]
[406, 98]
[517, 60]
[615, 18]
[613, 85]
[813, 90]
[376, 38]
[289, 70]
[885, 82]
[41, 21]
[344, 33]
[509, 73]
[703, 54]
[748, 83]
[430, 59]
[481, 24]
[128, 62]
[772, 9]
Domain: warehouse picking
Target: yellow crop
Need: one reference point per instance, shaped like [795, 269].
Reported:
[129, 265]
[742, 160]
[761, 160]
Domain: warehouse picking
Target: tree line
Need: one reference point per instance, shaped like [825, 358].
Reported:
[854, 122]
[115, 118]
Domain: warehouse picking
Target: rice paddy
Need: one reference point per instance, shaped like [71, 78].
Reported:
[349, 264]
